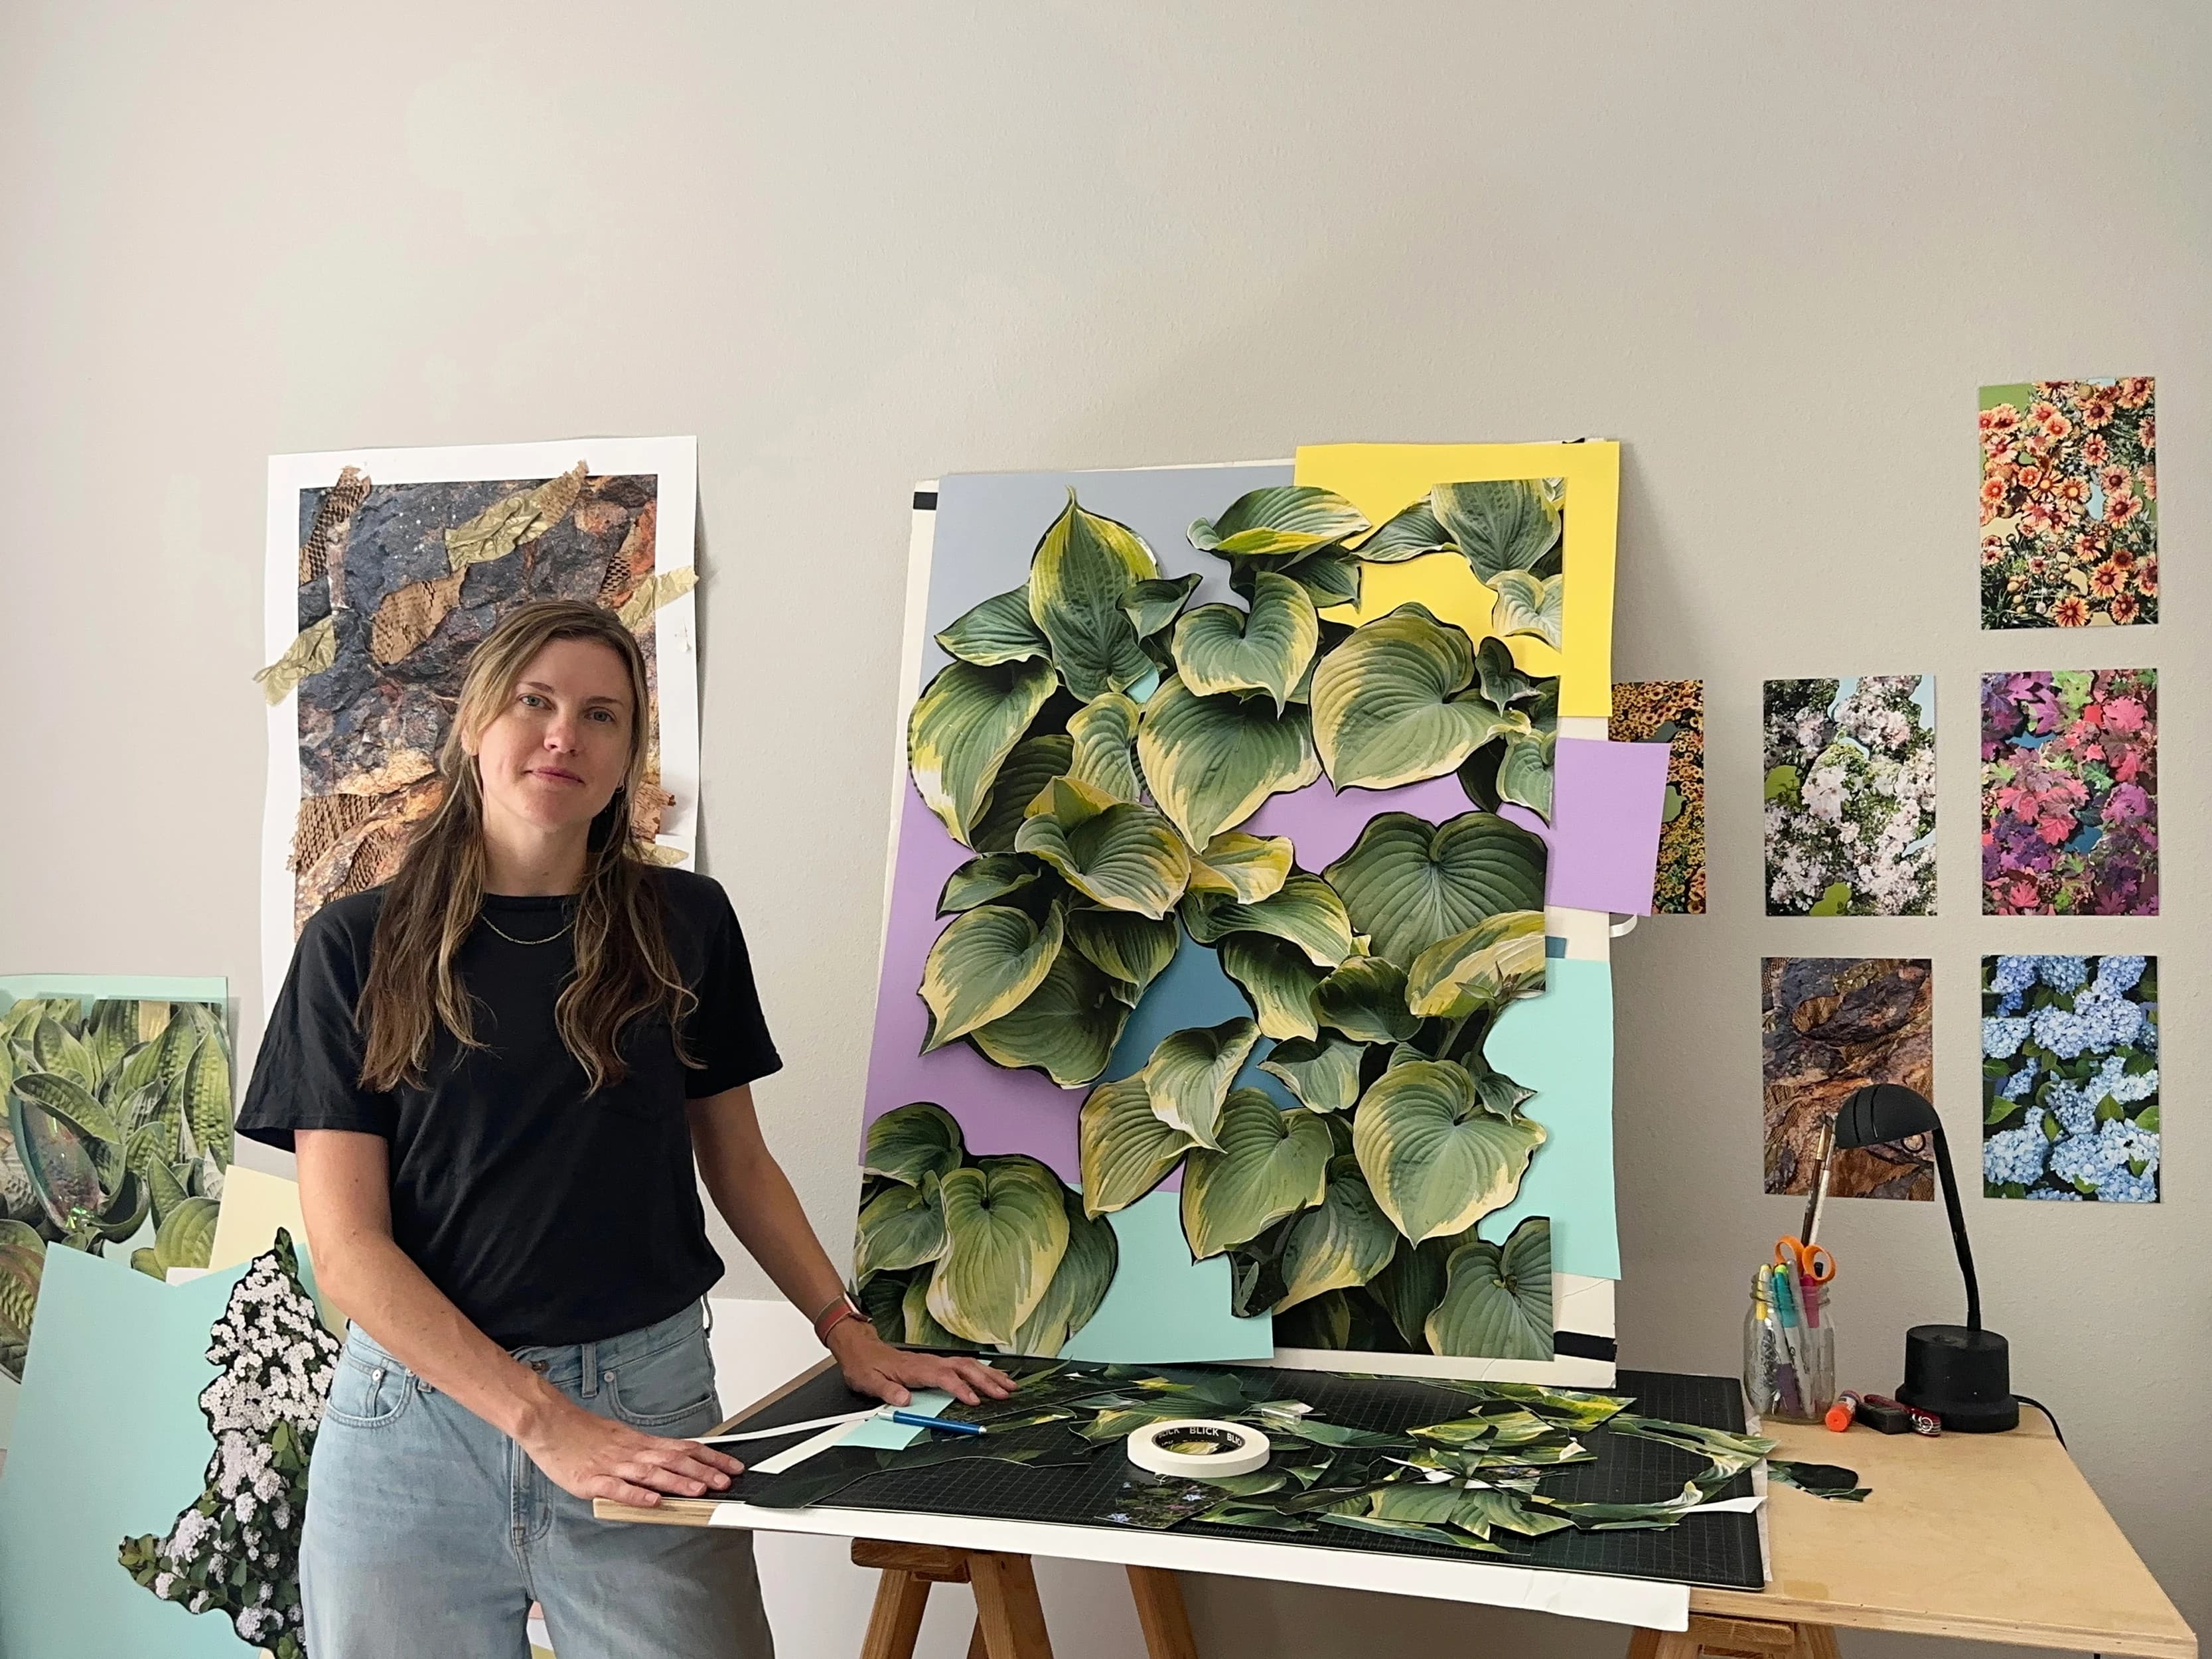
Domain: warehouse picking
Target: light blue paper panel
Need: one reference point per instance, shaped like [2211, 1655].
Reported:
[1560, 1044]
[1163, 1302]
[109, 1443]
[882, 1432]
[142, 988]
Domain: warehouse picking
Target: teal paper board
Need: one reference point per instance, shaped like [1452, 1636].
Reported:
[1560, 1044]
[109, 1443]
[887, 1436]
[1162, 1302]
[140, 988]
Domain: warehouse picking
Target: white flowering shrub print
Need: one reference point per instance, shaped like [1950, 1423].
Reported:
[236, 1550]
[2069, 1078]
[1850, 797]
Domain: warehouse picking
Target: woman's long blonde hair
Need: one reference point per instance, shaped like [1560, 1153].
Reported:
[623, 967]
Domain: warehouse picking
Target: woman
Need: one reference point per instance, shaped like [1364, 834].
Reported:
[497, 1072]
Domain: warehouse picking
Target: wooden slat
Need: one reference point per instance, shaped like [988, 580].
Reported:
[1757, 1636]
[935, 1562]
[1161, 1614]
[1007, 1610]
[896, 1621]
[1991, 1537]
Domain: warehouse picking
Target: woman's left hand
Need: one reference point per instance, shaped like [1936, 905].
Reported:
[873, 1366]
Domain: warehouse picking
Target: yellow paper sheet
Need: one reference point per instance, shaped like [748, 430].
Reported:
[1379, 479]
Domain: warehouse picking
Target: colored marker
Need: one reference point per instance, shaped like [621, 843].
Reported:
[923, 1420]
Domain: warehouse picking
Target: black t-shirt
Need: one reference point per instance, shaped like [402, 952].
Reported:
[546, 1213]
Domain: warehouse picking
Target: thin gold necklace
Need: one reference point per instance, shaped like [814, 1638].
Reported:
[510, 938]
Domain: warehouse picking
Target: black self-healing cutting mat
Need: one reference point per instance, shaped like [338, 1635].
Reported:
[1720, 1550]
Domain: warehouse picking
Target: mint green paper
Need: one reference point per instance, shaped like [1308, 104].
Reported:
[110, 1444]
[1161, 1305]
[1560, 1044]
[885, 1434]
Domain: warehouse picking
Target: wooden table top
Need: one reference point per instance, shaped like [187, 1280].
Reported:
[1996, 1537]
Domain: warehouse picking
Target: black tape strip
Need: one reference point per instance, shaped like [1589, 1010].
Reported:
[1577, 1345]
[925, 501]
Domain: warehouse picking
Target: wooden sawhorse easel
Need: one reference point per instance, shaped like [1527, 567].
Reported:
[1009, 1619]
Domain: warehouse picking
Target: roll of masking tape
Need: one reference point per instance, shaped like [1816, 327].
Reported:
[1198, 1447]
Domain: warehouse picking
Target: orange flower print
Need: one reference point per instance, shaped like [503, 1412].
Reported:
[2146, 577]
[2003, 419]
[2068, 491]
[2095, 451]
[2075, 490]
[2149, 431]
[2150, 481]
[2072, 611]
[2097, 407]
[2038, 520]
[1993, 550]
[2112, 478]
[2030, 479]
[2041, 410]
[2122, 556]
[2120, 507]
[2106, 579]
[2125, 610]
[2056, 427]
[2037, 564]
[2134, 391]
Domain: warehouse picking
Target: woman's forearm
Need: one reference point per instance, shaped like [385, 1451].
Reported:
[755, 1196]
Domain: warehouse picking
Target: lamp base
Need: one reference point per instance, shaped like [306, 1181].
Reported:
[1964, 1377]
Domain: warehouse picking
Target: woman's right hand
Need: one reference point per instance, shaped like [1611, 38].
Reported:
[590, 1456]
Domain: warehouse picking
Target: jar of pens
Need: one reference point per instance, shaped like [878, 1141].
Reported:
[1788, 1330]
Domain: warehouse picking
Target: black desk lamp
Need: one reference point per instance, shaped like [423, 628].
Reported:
[1961, 1372]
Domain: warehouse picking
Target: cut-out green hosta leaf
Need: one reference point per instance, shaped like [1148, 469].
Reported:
[1731, 1452]
[1067, 1028]
[1000, 629]
[1438, 1162]
[1573, 1408]
[908, 1144]
[898, 1228]
[186, 1239]
[1483, 1509]
[1323, 1073]
[882, 1298]
[1277, 980]
[1391, 704]
[1406, 534]
[1187, 1076]
[1104, 733]
[1329, 575]
[1407, 883]
[1344, 1243]
[1131, 949]
[1504, 524]
[1305, 911]
[963, 726]
[1082, 568]
[1218, 648]
[1499, 679]
[60, 1051]
[1497, 1301]
[1241, 867]
[1211, 761]
[206, 1095]
[1006, 1229]
[1365, 1000]
[68, 1101]
[984, 966]
[991, 876]
[1152, 606]
[922, 1330]
[1079, 1284]
[1122, 856]
[1528, 604]
[1524, 772]
[1125, 1149]
[1417, 1530]
[1035, 763]
[1484, 966]
[1279, 519]
[112, 1029]
[1272, 1163]
[1629, 1518]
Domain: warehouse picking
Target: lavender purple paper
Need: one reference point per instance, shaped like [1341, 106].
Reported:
[1607, 798]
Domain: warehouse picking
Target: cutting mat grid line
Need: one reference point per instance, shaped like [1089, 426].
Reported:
[1702, 1549]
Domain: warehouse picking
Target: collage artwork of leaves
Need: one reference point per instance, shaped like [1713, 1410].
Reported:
[397, 584]
[118, 1124]
[1486, 1468]
[1097, 743]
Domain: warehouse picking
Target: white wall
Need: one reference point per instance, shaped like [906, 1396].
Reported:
[1774, 249]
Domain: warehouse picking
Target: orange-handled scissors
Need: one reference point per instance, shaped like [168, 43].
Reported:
[1810, 1263]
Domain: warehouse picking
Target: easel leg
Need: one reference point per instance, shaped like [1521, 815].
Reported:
[1161, 1614]
[1008, 1615]
[1816, 1642]
[896, 1622]
[1740, 1639]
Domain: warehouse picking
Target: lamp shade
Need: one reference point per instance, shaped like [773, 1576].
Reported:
[1883, 1111]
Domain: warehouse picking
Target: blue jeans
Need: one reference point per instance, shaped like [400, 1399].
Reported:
[430, 1532]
